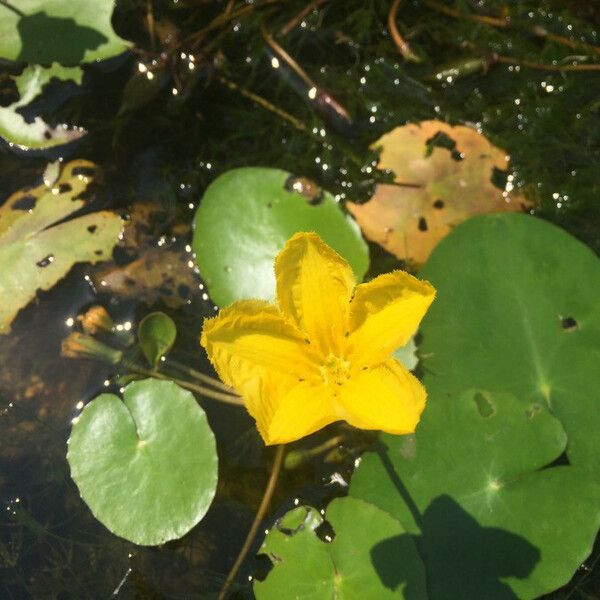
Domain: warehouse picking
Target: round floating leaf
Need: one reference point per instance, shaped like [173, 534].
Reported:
[45, 31]
[245, 218]
[518, 310]
[442, 176]
[370, 558]
[156, 333]
[146, 466]
[491, 521]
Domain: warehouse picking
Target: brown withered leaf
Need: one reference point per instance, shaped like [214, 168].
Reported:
[158, 274]
[442, 176]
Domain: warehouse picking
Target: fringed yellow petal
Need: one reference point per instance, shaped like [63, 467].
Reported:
[384, 314]
[314, 287]
[251, 339]
[304, 410]
[386, 397]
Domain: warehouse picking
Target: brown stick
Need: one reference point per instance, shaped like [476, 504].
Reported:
[264, 103]
[504, 23]
[258, 518]
[291, 24]
[400, 42]
[543, 66]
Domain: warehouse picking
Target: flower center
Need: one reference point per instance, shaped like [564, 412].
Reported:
[335, 370]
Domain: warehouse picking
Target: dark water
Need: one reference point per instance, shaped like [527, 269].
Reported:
[161, 149]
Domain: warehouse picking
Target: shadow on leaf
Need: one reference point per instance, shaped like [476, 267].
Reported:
[48, 39]
[463, 560]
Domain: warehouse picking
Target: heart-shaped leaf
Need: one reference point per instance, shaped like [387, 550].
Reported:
[442, 176]
[518, 310]
[356, 565]
[146, 466]
[245, 218]
[492, 521]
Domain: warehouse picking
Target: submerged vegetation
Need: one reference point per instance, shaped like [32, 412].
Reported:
[157, 156]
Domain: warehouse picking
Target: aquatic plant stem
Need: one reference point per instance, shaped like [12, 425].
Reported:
[293, 22]
[264, 103]
[199, 389]
[400, 42]
[199, 376]
[536, 30]
[258, 518]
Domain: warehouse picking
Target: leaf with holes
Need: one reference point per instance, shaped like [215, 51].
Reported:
[245, 218]
[146, 466]
[491, 519]
[442, 176]
[370, 558]
[63, 31]
[36, 134]
[35, 252]
[518, 310]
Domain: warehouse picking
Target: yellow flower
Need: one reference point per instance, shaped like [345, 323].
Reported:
[323, 354]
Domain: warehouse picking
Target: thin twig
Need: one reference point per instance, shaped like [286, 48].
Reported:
[260, 515]
[150, 23]
[400, 42]
[291, 24]
[198, 375]
[493, 21]
[504, 23]
[262, 102]
[543, 66]
[279, 51]
[199, 389]
[229, 7]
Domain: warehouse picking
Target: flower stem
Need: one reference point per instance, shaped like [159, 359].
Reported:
[260, 515]
[188, 385]
[199, 376]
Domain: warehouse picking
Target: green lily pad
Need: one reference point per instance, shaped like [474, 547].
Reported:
[492, 520]
[35, 252]
[518, 310]
[146, 466]
[37, 134]
[245, 218]
[359, 564]
[156, 333]
[46, 31]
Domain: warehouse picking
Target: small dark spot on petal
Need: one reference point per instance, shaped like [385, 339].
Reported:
[129, 282]
[98, 252]
[300, 379]
[422, 224]
[64, 187]
[438, 204]
[92, 228]
[47, 134]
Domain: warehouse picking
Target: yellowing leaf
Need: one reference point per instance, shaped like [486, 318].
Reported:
[35, 253]
[434, 189]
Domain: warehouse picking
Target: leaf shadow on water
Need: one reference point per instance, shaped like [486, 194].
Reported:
[47, 39]
[463, 560]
